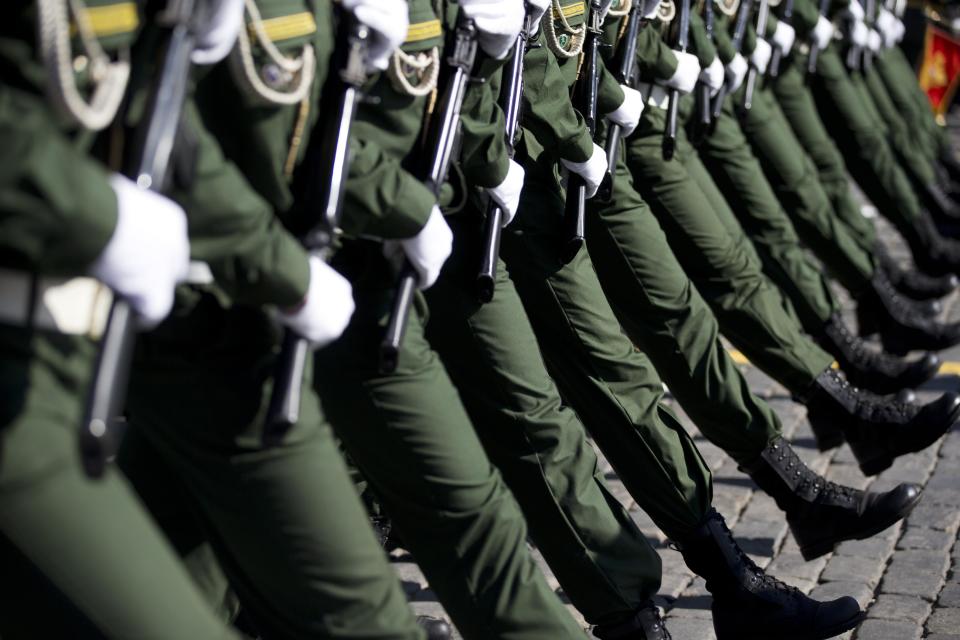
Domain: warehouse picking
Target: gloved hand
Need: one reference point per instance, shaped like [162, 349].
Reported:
[592, 171]
[507, 193]
[426, 251]
[783, 37]
[823, 33]
[874, 41]
[627, 115]
[148, 253]
[326, 310]
[684, 79]
[900, 30]
[855, 11]
[712, 75]
[219, 32]
[538, 8]
[760, 57]
[388, 21]
[887, 26]
[736, 72]
[498, 24]
[859, 34]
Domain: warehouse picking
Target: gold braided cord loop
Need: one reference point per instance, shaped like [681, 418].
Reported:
[424, 66]
[576, 36]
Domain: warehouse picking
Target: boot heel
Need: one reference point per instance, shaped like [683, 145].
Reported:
[871, 457]
[827, 438]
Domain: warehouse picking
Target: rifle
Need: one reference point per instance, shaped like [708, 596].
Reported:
[854, 52]
[585, 101]
[870, 11]
[814, 49]
[322, 179]
[704, 117]
[150, 168]
[510, 96]
[787, 18]
[627, 62]
[763, 15]
[673, 104]
[443, 134]
[739, 29]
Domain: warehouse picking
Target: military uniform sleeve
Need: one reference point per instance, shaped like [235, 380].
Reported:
[548, 113]
[655, 60]
[483, 158]
[700, 43]
[609, 94]
[57, 210]
[722, 39]
[749, 41]
[805, 16]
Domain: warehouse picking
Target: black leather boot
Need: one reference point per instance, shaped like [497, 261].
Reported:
[913, 283]
[882, 309]
[874, 370]
[747, 603]
[878, 428]
[931, 251]
[821, 514]
[645, 624]
[435, 628]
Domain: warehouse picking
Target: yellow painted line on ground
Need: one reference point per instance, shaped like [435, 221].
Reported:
[949, 368]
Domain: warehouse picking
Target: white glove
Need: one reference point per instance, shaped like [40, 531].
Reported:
[736, 72]
[783, 37]
[538, 8]
[507, 193]
[859, 34]
[955, 25]
[874, 41]
[426, 251]
[592, 171]
[760, 57]
[887, 26]
[219, 32]
[627, 115]
[498, 24]
[148, 253]
[712, 75]
[325, 312]
[684, 79]
[823, 33]
[388, 21]
[901, 29]
[855, 11]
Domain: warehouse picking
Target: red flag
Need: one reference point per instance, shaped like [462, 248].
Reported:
[940, 71]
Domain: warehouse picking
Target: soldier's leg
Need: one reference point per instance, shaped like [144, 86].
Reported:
[794, 176]
[735, 171]
[909, 142]
[797, 104]
[91, 540]
[410, 436]
[285, 521]
[749, 308]
[900, 80]
[604, 564]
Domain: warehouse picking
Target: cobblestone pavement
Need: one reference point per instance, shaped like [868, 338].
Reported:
[907, 578]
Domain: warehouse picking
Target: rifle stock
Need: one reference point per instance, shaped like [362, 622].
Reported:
[753, 74]
[814, 54]
[739, 29]
[673, 104]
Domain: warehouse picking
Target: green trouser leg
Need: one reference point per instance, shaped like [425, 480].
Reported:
[91, 540]
[902, 86]
[905, 137]
[411, 438]
[613, 387]
[285, 521]
[794, 177]
[868, 155]
[798, 106]
[745, 190]
[604, 564]
[722, 264]
[663, 314]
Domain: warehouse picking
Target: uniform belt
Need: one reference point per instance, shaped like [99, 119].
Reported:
[74, 306]
[654, 95]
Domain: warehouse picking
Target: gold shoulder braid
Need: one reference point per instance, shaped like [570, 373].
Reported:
[728, 7]
[414, 74]
[108, 77]
[666, 11]
[282, 79]
[574, 37]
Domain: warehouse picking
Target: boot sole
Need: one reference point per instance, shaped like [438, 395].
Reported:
[814, 551]
[822, 634]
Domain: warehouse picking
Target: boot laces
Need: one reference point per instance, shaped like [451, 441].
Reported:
[757, 576]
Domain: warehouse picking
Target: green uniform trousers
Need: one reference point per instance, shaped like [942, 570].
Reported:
[793, 175]
[912, 103]
[740, 178]
[710, 245]
[410, 436]
[613, 387]
[286, 524]
[868, 154]
[604, 564]
[91, 540]
[798, 106]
